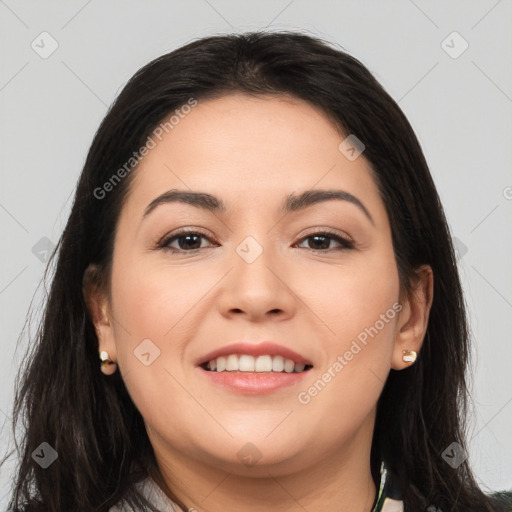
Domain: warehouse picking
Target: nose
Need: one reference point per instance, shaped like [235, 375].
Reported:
[258, 289]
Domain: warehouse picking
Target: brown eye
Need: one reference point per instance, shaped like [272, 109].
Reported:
[184, 241]
[322, 242]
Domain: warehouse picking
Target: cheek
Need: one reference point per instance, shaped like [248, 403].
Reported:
[358, 303]
[151, 305]
[156, 307]
[154, 298]
[352, 296]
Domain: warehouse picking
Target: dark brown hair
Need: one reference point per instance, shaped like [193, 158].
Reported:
[90, 420]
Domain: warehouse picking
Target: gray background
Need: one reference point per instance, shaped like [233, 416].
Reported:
[460, 105]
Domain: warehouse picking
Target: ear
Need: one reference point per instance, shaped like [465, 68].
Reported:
[413, 318]
[97, 302]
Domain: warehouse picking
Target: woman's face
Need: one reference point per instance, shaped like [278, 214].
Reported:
[260, 269]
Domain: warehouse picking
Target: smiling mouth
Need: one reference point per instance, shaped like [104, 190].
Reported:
[245, 363]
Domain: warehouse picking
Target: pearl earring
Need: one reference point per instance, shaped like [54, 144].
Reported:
[108, 367]
[409, 356]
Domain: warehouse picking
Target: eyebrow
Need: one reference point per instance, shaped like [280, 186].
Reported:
[292, 202]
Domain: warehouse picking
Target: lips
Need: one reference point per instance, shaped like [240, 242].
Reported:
[256, 350]
[253, 369]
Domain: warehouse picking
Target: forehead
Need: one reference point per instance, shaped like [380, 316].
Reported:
[250, 150]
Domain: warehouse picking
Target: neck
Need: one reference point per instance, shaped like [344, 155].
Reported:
[341, 481]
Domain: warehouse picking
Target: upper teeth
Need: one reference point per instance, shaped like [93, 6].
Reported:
[246, 363]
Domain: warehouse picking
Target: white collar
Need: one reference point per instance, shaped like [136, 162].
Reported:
[154, 494]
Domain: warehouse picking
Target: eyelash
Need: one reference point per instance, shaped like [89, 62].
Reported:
[344, 242]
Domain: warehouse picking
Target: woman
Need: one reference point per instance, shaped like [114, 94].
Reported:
[256, 303]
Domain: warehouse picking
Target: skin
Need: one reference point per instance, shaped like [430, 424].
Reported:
[252, 153]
